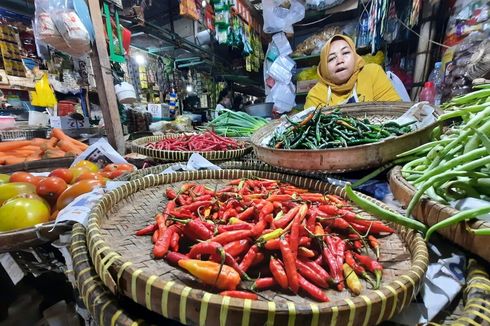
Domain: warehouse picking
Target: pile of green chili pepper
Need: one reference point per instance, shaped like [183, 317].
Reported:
[456, 164]
[333, 129]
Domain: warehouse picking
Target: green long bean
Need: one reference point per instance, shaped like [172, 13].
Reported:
[456, 218]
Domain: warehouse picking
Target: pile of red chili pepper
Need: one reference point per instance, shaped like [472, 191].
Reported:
[283, 235]
[208, 141]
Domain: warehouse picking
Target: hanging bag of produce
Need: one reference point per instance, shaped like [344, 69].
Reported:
[45, 30]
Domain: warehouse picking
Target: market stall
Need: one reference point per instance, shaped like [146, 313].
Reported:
[253, 162]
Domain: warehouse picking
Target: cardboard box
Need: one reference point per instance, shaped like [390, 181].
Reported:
[304, 86]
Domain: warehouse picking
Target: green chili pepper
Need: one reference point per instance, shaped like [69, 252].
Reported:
[456, 218]
[381, 213]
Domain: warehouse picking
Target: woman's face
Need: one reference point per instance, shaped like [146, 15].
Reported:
[340, 62]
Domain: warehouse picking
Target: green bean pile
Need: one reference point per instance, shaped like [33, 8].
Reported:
[456, 164]
[333, 129]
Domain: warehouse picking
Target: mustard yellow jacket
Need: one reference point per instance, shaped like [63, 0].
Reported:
[372, 85]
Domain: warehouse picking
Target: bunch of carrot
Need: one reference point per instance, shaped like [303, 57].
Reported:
[288, 237]
[59, 145]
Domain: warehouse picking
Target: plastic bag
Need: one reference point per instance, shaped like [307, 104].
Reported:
[280, 15]
[43, 95]
[71, 28]
[283, 96]
[45, 29]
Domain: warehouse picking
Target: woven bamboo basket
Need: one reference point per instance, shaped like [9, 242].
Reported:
[239, 165]
[104, 307]
[42, 233]
[138, 146]
[431, 212]
[475, 301]
[125, 266]
[353, 158]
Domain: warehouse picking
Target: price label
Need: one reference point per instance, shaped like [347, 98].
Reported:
[12, 268]
[155, 110]
[55, 122]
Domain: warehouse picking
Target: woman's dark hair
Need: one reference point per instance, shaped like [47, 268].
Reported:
[224, 93]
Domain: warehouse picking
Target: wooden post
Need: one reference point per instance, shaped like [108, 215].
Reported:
[103, 79]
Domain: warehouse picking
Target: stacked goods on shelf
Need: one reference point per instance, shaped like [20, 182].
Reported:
[11, 54]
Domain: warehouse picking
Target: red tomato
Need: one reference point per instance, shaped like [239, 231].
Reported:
[91, 176]
[62, 173]
[51, 188]
[37, 179]
[76, 190]
[22, 177]
[122, 166]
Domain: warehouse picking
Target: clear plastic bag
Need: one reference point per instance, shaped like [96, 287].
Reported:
[280, 15]
[45, 29]
[71, 28]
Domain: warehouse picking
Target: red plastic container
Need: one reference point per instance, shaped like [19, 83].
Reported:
[66, 108]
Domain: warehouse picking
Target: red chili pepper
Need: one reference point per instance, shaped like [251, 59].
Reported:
[231, 212]
[311, 220]
[329, 209]
[272, 244]
[373, 242]
[235, 182]
[278, 272]
[246, 214]
[259, 228]
[174, 242]
[310, 275]
[264, 283]
[319, 231]
[268, 208]
[234, 227]
[259, 258]
[288, 217]
[373, 266]
[249, 258]
[240, 294]
[312, 290]
[230, 261]
[206, 248]
[195, 206]
[147, 230]
[313, 197]
[197, 230]
[236, 248]
[203, 198]
[230, 236]
[155, 236]
[332, 264]
[170, 193]
[161, 246]
[336, 199]
[294, 238]
[305, 252]
[314, 266]
[289, 265]
[358, 269]
[279, 198]
[319, 260]
[173, 258]
[371, 225]
[183, 214]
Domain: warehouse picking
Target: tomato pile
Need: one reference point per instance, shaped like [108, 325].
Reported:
[285, 236]
[208, 141]
[27, 200]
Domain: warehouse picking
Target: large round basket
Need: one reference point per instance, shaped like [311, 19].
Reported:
[138, 146]
[124, 264]
[431, 212]
[41, 233]
[353, 158]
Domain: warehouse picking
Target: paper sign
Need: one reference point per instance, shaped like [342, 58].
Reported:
[11, 267]
[155, 110]
[55, 122]
[79, 209]
[101, 153]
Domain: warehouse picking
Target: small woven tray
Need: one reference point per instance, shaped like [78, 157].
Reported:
[138, 146]
[431, 212]
[42, 233]
[125, 266]
[345, 159]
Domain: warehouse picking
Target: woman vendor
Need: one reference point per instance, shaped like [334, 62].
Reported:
[344, 77]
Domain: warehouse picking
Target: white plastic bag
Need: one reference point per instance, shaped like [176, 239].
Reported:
[282, 43]
[283, 96]
[72, 29]
[280, 15]
[44, 27]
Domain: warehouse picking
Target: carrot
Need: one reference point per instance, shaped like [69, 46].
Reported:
[29, 148]
[10, 145]
[54, 153]
[38, 141]
[52, 143]
[13, 160]
[58, 133]
[33, 158]
[68, 147]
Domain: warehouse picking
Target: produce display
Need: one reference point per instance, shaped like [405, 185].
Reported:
[59, 145]
[236, 124]
[258, 234]
[455, 165]
[27, 199]
[333, 129]
[205, 142]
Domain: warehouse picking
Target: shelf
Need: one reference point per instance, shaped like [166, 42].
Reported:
[307, 61]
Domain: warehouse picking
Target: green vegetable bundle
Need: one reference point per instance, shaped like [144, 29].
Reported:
[456, 164]
[322, 130]
[236, 124]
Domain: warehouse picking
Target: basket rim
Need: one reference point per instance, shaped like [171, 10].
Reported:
[98, 248]
[256, 141]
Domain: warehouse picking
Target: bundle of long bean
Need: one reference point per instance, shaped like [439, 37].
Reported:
[236, 124]
[321, 130]
[456, 164]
